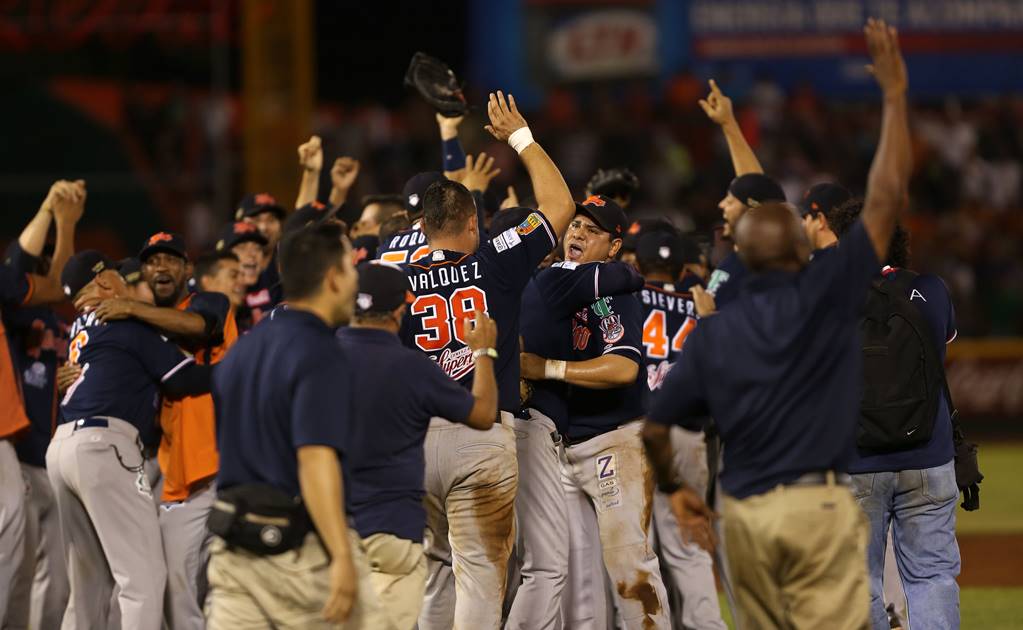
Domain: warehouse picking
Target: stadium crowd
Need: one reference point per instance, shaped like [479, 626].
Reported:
[479, 406]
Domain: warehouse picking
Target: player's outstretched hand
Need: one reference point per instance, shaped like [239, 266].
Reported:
[310, 154]
[511, 201]
[344, 172]
[448, 126]
[717, 106]
[478, 172]
[67, 374]
[704, 302]
[887, 64]
[480, 332]
[531, 366]
[68, 200]
[694, 517]
[504, 116]
[344, 583]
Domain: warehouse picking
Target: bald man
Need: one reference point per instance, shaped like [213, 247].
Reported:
[780, 371]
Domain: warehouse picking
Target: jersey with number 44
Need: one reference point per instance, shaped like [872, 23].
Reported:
[669, 315]
[450, 286]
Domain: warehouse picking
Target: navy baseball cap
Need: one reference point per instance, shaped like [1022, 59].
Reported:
[251, 205]
[130, 269]
[823, 198]
[168, 242]
[670, 247]
[312, 213]
[645, 226]
[754, 189]
[365, 247]
[415, 190]
[607, 214]
[81, 269]
[237, 233]
[383, 287]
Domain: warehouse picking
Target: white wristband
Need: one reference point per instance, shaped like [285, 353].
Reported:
[520, 139]
[554, 370]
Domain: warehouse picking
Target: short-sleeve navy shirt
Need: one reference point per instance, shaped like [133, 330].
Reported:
[399, 390]
[780, 371]
[123, 364]
[930, 295]
[550, 300]
[284, 385]
[449, 286]
[612, 325]
[727, 280]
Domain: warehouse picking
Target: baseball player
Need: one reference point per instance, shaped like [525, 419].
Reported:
[400, 389]
[95, 461]
[249, 245]
[819, 202]
[410, 245]
[19, 417]
[203, 325]
[603, 468]
[220, 272]
[669, 316]
[548, 303]
[472, 475]
[285, 555]
[263, 212]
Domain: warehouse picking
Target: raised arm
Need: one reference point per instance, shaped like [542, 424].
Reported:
[310, 158]
[888, 181]
[552, 195]
[452, 153]
[33, 237]
[718, 108]
[67, 205]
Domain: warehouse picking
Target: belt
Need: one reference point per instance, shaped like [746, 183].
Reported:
[579, 440]
[821, 479]
[86, 423]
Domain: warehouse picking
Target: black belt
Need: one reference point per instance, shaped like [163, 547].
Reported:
[820, 479]
[86, 423]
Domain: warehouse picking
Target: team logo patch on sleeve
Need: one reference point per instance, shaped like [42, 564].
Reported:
[612, 328]
[506, 240]
[532, 222]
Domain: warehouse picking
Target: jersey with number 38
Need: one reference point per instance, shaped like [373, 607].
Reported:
[449, 286]
[669, 315]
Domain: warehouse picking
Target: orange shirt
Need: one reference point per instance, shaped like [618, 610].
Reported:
[13, 419]
[188, 448]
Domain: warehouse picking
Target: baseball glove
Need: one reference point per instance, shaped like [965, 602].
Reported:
[437, 83]
[614, 182]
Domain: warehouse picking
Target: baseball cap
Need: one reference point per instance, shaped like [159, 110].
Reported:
[667, 247]
[163, 242]
[81, 269]
[415, 190]
[130, 269]
[365, 247]
[251, 205]
[607, 214]
[239, 232]
[823, 198]
[643, 226]
[312, 213]
[754, 189]
[383, 287]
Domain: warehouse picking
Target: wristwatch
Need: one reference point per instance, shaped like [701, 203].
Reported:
[485, 352]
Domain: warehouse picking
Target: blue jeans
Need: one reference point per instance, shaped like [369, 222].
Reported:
[920, 506]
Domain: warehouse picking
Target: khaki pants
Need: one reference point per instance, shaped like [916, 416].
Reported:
[398, 575]
[13, 508]
[288, 590]
[798, 558]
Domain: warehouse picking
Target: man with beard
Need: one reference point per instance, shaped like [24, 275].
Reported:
[203, 325]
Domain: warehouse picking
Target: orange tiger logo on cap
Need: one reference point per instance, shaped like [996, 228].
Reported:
[594, 200]
[159, 237]
[265, 199]
[243, 228]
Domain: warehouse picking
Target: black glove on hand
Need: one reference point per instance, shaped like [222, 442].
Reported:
[968, 476]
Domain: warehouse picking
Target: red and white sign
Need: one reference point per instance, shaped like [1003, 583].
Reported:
[604, 44]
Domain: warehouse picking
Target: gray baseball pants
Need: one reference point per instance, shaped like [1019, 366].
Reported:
[109, 524]
[186, 544]
[541, 514]
[13, 514]
[471, 481]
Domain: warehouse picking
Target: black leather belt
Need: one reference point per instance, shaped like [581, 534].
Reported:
[86, 423]
[820, 479]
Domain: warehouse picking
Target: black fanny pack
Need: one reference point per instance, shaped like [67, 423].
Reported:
[259, 518]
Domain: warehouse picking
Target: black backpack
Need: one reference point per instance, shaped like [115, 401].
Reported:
[903, 375]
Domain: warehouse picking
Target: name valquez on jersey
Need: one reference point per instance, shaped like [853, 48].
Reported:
[445, 276]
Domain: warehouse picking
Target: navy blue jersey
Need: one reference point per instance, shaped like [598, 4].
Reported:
[407, 246]
[449, 286]
[612, 325]
[37, 340]
[727, 279]
[123, 364]
[548, 303]
[669, 315]
[930, 295]
[284, 385]
[15, 286]
[399, 391]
